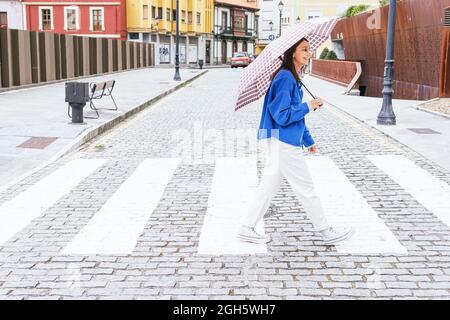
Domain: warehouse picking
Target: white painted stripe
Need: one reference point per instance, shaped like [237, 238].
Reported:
[432, 193]
[344, 206]
[18, 212]
[116, 227]
[234, 183]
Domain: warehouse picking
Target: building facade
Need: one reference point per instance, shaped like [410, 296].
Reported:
[235, 28]
[94, 18]
[11, 15]
[155, 21]
[294, 11]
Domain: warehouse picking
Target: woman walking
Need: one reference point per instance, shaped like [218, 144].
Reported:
[283, 124]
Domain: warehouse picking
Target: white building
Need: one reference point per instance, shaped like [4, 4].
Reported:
[270, 24]
[11, 14]
[235, 28]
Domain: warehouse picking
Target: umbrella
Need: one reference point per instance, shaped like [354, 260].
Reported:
[255, 79]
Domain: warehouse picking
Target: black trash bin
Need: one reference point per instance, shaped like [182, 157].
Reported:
[77, 94]
[200, 63]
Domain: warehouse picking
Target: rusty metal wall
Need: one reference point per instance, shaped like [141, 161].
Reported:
[444, 81]
[28, 57]
[418, 45]
[340, 72]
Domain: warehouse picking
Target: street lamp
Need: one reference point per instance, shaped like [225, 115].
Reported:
[297, 20]
[280, 7]
[177, 47]
[386, 115]
[271, 25]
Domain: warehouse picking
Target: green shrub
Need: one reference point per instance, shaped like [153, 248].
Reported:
[331, 55]
[354, 10]
[324, 53]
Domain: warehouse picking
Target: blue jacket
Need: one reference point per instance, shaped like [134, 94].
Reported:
[283, 110]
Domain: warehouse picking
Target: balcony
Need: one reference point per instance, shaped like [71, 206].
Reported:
[231, 32]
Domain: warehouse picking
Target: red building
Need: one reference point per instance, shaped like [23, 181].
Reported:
[94, 18]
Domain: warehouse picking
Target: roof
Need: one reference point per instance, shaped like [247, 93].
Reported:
[240, 3]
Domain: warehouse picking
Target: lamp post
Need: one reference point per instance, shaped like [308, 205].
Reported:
[386, 115]
[280, 7]
[177, 46]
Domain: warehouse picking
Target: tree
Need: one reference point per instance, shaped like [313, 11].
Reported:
[324, 53]
[354, 10]
[331, 55]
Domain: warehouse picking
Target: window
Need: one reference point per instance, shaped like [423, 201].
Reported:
[159, 13]
[3, 20]
[174, 15]
[145, 12]
[97, 20]
[46, 19]
[183, 16]
[224, 20]
[314, 14]
[198, 18]
[71, 18]
[168, 14]
[190, 17]
[133, 36]
[246, 24]
[153, 12]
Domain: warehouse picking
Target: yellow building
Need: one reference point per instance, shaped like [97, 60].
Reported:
[155, 21]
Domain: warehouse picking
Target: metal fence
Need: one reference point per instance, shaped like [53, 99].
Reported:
[340, 72]
[28, 57]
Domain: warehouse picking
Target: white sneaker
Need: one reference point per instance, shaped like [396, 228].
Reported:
[333, 235]
[248, 234]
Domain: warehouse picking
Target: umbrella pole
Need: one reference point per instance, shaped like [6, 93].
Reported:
[308, 90]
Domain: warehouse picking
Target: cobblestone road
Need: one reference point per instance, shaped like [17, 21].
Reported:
[164, 261]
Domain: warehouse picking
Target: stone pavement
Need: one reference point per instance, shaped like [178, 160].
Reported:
[124, 216]
[41, 112]
[433, 145]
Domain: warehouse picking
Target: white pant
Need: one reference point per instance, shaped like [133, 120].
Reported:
[285, 160]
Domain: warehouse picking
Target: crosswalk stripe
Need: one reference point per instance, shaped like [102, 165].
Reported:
[432, 193]
[116, 227]
[345, 206]
[232, 188]
[18, 212]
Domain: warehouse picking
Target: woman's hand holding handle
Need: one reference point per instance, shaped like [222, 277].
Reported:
[316, 104]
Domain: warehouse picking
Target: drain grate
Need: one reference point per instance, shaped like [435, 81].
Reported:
[37, 143]
[423, 131]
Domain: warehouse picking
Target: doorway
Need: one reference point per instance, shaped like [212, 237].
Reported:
[224, 52]
[207, 51]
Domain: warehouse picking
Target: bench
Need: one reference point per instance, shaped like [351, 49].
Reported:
[97, 91]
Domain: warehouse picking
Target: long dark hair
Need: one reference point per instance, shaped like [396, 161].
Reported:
[288, 61]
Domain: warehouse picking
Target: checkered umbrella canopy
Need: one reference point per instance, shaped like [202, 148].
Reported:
[255, 78]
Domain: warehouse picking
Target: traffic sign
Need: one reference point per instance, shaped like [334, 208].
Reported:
[271, 37]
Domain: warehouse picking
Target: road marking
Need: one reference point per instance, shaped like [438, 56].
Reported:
[345, 206]
[429, 191]
[234, 182]
[18, 212]
[116, 227]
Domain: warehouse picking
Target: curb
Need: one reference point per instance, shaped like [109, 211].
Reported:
[100, 129]
[433, 112]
